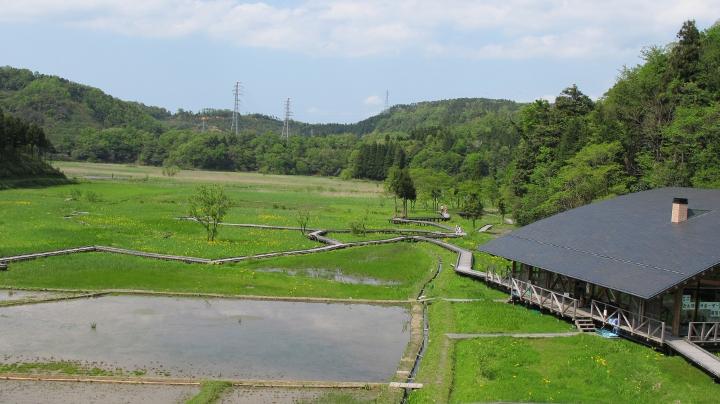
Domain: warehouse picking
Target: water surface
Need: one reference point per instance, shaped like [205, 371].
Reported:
[12, 295]
[331, 274]
[230, 338]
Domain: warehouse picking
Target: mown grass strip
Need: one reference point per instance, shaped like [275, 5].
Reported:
[210, 391]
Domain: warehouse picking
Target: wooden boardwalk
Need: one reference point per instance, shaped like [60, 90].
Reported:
[695, 354]
[399, 220]
[319, 235]
[165, 257]
[32, 256]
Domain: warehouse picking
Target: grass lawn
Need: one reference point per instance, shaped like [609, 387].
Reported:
[495, 317]
[451, 285]
[406, 266]
[582, 369]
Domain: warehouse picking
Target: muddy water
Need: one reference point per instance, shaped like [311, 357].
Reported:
[229, 338]
[12, 295]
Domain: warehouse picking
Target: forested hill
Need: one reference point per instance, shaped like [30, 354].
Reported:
[63, 108]
[658, 126]
[22, 148]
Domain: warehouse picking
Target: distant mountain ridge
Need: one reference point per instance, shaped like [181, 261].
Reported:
[63, 108]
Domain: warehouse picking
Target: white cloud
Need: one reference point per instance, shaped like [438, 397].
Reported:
[491, 29]
[373, 100]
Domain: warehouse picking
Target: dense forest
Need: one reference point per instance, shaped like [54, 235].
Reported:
[22, 149]
[659, 125]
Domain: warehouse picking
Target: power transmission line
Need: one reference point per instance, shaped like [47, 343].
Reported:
[286, 124]
[237, 91]
[203, 119]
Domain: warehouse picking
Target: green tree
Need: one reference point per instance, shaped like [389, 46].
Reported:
[502, 208]
[302, 217]
[208, 206]
[405, 189]
[685, 54]
[474, 207]
[392, 185]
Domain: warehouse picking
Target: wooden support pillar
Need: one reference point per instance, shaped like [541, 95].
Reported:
[514, 269]
[677, 306]
[641, 307]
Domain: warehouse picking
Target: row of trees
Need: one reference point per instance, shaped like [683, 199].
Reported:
[17, 136]
[374, 160]
[22, 148]
[316, 155]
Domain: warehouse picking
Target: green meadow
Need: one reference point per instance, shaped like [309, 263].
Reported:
[137, 208]
[400, 269]
[581, 369]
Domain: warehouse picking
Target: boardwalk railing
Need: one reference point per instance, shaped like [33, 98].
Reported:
[545, 298]
[703, 332]
[649, 328]
[499, 277]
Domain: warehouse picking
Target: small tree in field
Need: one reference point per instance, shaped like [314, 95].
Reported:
[502, 209]
[170, 170]
[302, 218]
[474, 208]
[208, 206]
[392, 185]
[405, 189]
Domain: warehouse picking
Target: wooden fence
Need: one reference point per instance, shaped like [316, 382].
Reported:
[647, 327]
[565, 306]
[703, 332]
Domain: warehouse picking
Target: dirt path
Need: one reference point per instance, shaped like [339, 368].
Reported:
[32, 392]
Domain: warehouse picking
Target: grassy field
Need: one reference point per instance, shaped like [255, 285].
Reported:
[295, 183]
[438, 370]
[142, 215]
[403, 268]
[135, 207]
[581, 369]
[495, 317]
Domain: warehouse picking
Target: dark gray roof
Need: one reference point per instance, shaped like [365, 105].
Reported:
[626, 243]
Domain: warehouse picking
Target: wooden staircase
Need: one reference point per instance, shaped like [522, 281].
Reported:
[585, 324]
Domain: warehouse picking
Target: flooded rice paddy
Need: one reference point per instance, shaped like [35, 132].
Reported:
[331, 274]
[7, 295]
[33, 392]
[211, 338]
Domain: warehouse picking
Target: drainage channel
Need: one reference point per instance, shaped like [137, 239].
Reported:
[426, 334]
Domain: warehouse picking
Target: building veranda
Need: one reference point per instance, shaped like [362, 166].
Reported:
[644, 265]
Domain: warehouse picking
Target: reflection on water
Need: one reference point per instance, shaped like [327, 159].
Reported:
[331, 274]
[211, 337]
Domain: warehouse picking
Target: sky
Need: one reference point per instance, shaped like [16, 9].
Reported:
[336, 60]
